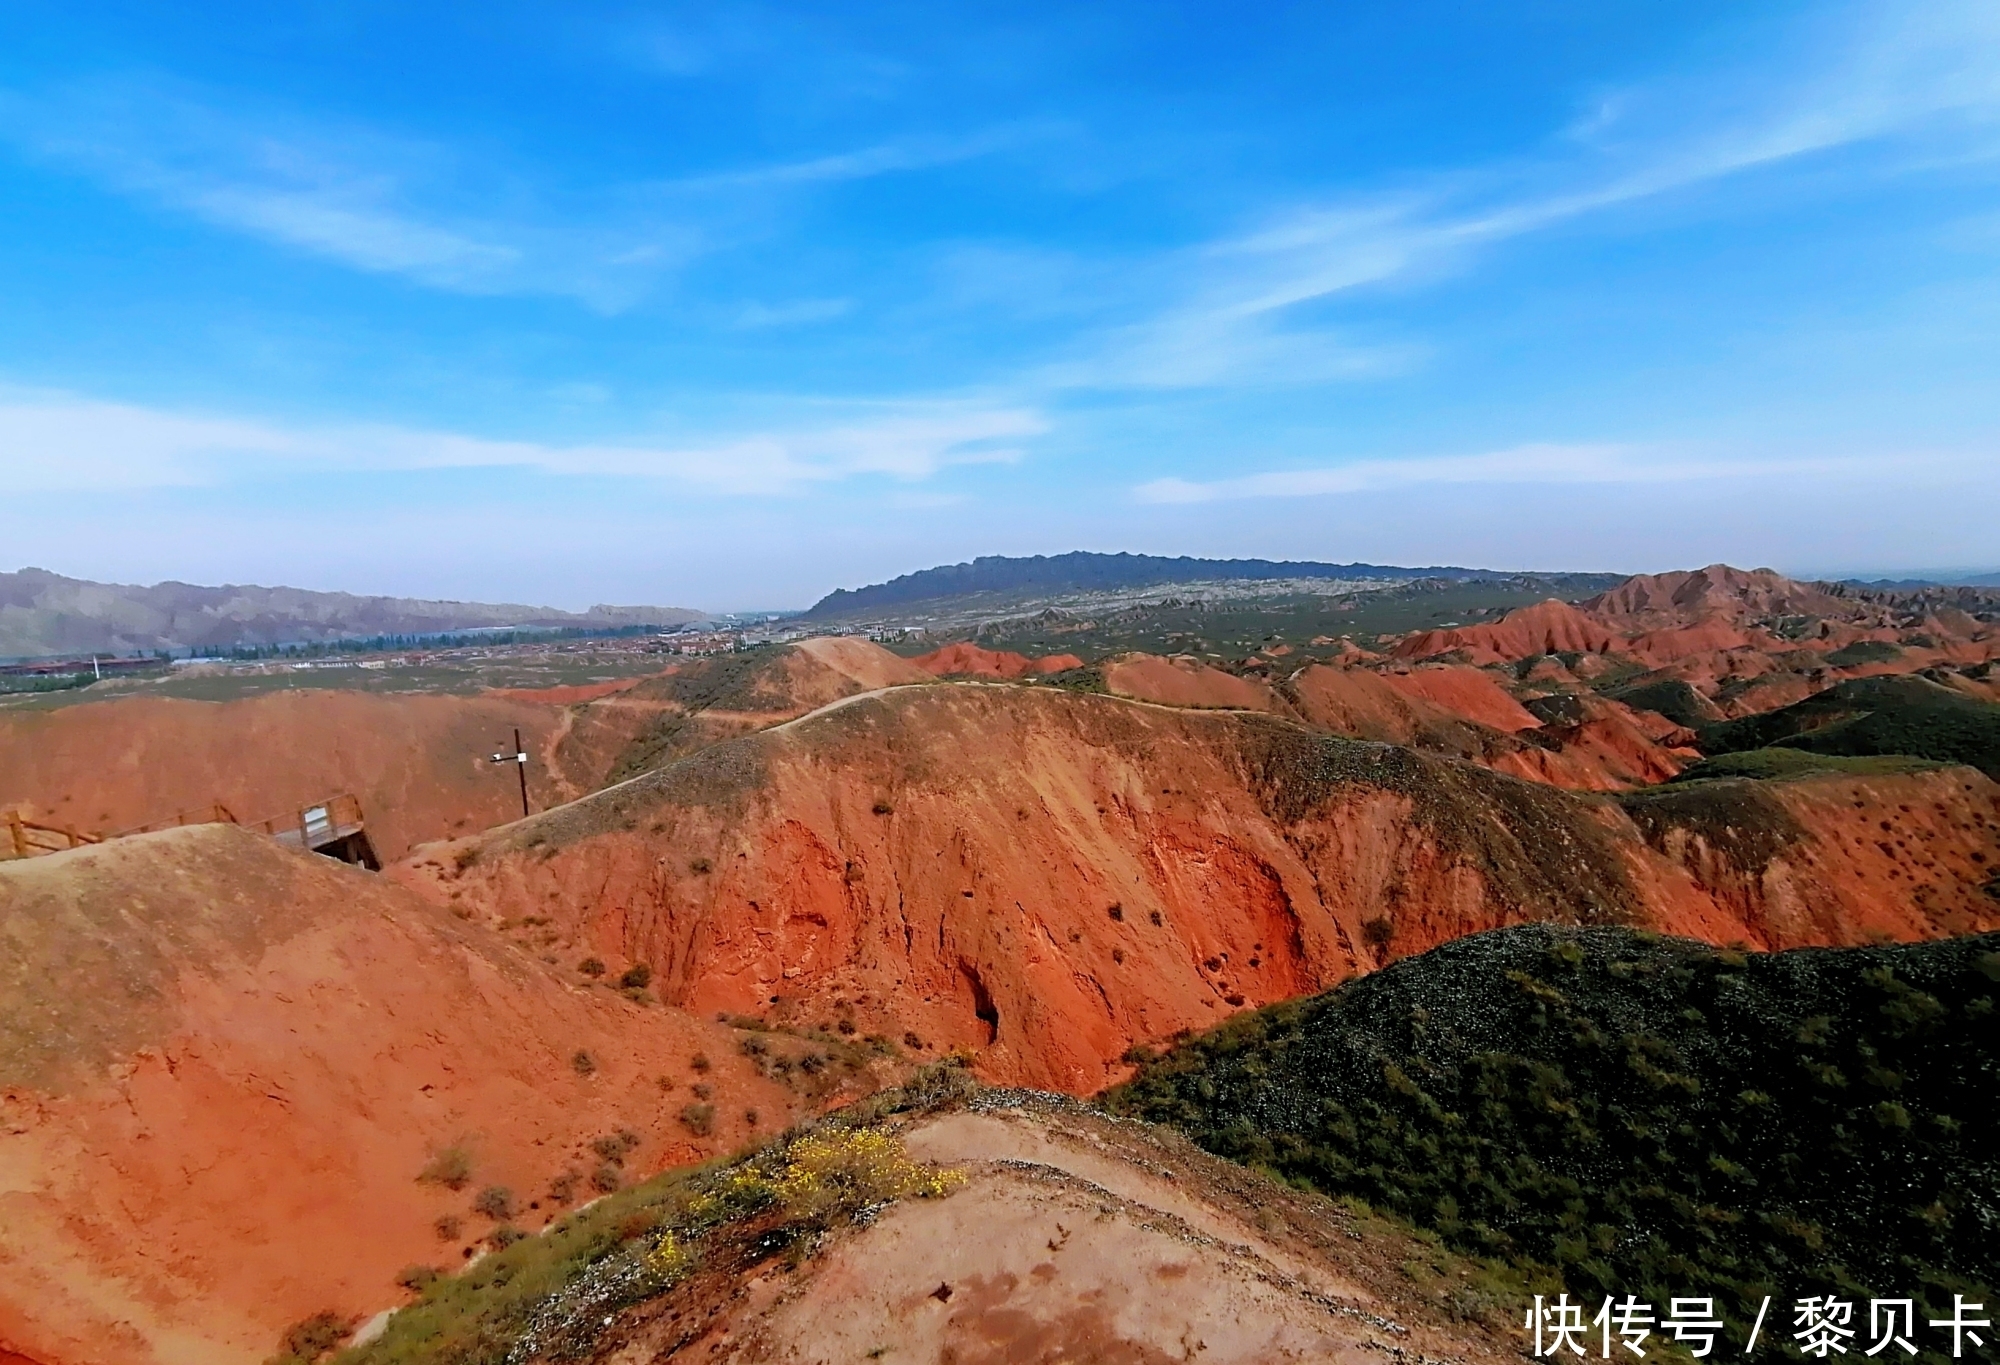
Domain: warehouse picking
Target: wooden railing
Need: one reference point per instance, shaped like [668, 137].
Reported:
[214, 813]
[308, 827]
[25, 838]
[313, 826]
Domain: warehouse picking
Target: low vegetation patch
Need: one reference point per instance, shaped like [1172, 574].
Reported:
[554, 1296]
[1868, 716]
[1643, 1115]
[1778, 764]
[450, 1167]
[1864, 652]
[312, 1339]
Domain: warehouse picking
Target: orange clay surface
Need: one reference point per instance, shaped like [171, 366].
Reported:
[226, 1064]
[969, 660]
[1469, 693]
[419, 763]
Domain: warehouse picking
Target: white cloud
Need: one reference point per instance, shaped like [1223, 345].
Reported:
[1569, 466]
[54, 443]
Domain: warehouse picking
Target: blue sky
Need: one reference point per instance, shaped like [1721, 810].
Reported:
[728, 305]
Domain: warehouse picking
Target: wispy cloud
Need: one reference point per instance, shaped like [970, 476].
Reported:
[863, 163]
[1231, 311]
[1564, 465]
[798, 313]
[376, 203]
[61, 442]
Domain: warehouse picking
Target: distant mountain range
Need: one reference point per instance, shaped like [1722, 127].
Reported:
[1082, 571]
[44, 614]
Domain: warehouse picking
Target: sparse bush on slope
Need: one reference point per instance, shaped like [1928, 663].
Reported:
[1647, 1115]
[550, 1297]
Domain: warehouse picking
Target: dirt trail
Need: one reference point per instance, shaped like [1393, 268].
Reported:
[1079, 1239]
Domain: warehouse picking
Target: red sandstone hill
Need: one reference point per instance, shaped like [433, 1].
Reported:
[1551, 627]
[703, 701]
[969, 660]
[1652, 601]
[1744, 640]
[224, 1065]
[1047, 878]
[1454, 710]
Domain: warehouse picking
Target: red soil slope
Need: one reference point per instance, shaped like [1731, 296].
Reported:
[1719, 629]
[1470, 693]
[969, 660]
[1186, 682]
[1365, 705]
[1445, 709]
[419, 763]
[1048, 878]
[1595, 744]
[222, 1066]
[1551, 627]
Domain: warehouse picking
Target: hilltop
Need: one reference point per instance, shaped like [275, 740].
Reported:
[43, 613]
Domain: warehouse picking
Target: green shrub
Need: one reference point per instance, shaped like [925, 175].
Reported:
[698, 1119]
[450, 1167]
[1645, 1115]
[637, 977]
[495, 1202]
[312, 1339]
[416, 1278]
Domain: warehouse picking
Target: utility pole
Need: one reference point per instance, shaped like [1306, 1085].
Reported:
[519, 758]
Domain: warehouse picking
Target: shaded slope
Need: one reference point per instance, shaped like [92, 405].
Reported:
[1650, 1115]
[1902, 715]
[223, 1066]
